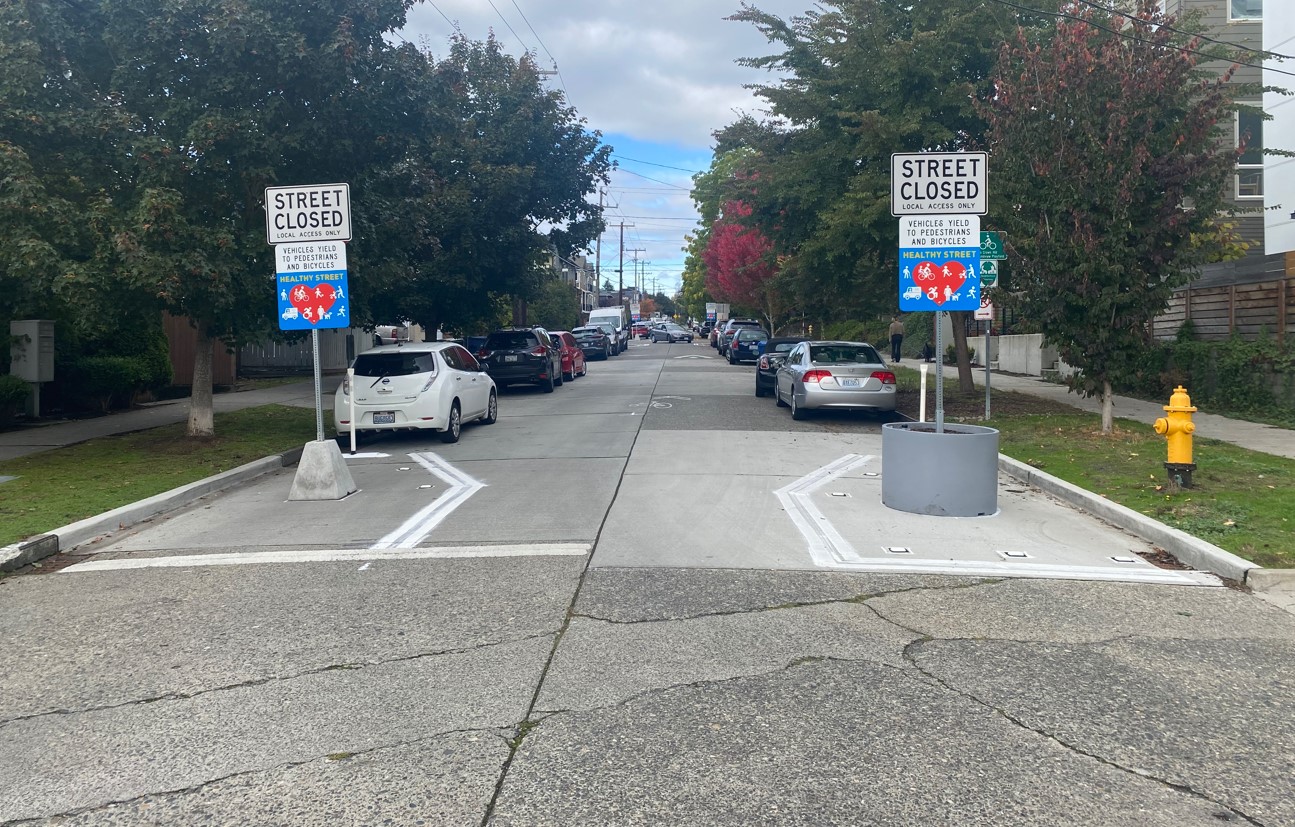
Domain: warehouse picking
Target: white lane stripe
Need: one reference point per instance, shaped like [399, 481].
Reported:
[417, 527]
[827, 548]
[331, 556]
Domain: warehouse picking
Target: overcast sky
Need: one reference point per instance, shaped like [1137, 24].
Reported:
[656, 77]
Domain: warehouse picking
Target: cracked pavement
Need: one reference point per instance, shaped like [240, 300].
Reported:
[797, 698]
[568, 690]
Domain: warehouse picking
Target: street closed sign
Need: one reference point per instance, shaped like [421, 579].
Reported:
[939, 183]
[318, 212]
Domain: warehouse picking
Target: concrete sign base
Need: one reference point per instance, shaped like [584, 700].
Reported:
[953, 474]
[322, 473]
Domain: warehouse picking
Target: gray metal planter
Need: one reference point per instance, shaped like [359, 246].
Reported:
[950, 474]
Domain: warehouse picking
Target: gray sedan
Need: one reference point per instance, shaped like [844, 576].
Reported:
[670, 333]
[834, 375]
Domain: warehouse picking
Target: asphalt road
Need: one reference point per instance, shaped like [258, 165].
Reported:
[639, 600]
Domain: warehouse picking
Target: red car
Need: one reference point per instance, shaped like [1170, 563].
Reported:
[573, 357]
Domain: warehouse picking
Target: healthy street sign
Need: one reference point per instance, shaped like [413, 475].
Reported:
[318, 212]
[939, 183]
[939, 262]
[312, 288]
[939, 279]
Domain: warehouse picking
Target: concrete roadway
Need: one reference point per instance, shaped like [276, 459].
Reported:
[648, 598]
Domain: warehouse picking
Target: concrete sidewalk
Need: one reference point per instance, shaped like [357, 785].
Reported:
[46, 436]
[1267, 439]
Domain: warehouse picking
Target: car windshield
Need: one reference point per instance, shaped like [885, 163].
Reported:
[750, 335]
[607, 328]
[586, 333]
[783, 347]
[394, 364]
[843, 354]
[505, 339]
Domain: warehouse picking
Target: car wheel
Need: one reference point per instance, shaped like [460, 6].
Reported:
[548, 384]
[454, 426]
[558, 376]
[731, 360]
[797, 412]
[584, 368]
[759, 391]
[607, 353]
[569, 377]
[777, 397]
[492, 410]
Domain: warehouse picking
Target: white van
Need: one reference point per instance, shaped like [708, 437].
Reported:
[617, 318]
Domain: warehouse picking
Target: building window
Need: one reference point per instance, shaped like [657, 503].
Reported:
[1246, 9]
[1250, 166]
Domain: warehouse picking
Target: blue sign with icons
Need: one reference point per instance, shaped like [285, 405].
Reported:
[945, 278]
[310, 301]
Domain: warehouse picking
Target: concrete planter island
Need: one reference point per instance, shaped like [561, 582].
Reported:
[950, 474]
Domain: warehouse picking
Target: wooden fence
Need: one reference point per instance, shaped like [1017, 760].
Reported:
[1243, 298]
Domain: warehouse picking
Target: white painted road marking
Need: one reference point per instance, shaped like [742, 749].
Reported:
[829, 550]
[826, 546]
[416, 528]
[332, 556]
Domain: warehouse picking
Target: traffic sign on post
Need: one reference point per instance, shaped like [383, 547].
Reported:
[991, 246]
[939, 183]
[317, 212]
[985, 313]
[312, 288]
[988, 272]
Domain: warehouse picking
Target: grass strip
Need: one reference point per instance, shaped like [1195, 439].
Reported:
[58, 487]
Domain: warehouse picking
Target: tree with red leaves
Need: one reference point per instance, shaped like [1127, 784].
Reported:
[740, 266]
[1108, 166]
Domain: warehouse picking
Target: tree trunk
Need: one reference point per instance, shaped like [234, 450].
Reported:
[958, 319]
[1108, 408]
[201, 415]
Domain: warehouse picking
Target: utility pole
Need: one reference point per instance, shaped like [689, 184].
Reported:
[620, 270]
[598, 247]
[636, 251]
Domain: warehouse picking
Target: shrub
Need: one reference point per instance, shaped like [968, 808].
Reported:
[13, 397]
[106, 382]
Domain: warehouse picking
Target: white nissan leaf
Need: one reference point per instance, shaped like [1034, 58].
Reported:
[436, 386]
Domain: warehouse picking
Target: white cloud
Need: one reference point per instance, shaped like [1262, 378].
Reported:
[661, 72]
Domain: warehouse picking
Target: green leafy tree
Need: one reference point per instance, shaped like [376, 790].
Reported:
[861, 80]
[1108, 159]
[557, 307]
[502, 157]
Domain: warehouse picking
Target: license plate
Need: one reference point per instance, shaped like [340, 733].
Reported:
[849, 383]
[384, 418]
[511, 358]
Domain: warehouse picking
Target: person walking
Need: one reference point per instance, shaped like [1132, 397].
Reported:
[896, 337]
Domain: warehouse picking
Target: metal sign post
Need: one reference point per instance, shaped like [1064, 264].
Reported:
[939, 371]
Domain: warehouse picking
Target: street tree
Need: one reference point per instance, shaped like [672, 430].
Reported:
[858, 81]
[1108, 165]
[740, 266]
[498, 182]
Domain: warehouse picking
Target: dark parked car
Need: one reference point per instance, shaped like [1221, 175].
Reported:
[522, 354]
[726, 332]
[594, 341]
[745, 346]
[775, 350]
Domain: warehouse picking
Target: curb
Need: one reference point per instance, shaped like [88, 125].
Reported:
[91, 529]
[1189, 549]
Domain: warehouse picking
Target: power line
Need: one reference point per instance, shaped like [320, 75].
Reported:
[525, 48]
[1134, 38]
[561, 82]
[453, 25]
[1227, 43]
[653, 164]
[657, 180]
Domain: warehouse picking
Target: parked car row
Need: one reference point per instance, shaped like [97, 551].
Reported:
[440, 386]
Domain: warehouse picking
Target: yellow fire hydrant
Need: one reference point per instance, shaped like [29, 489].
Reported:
[1178, 428]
